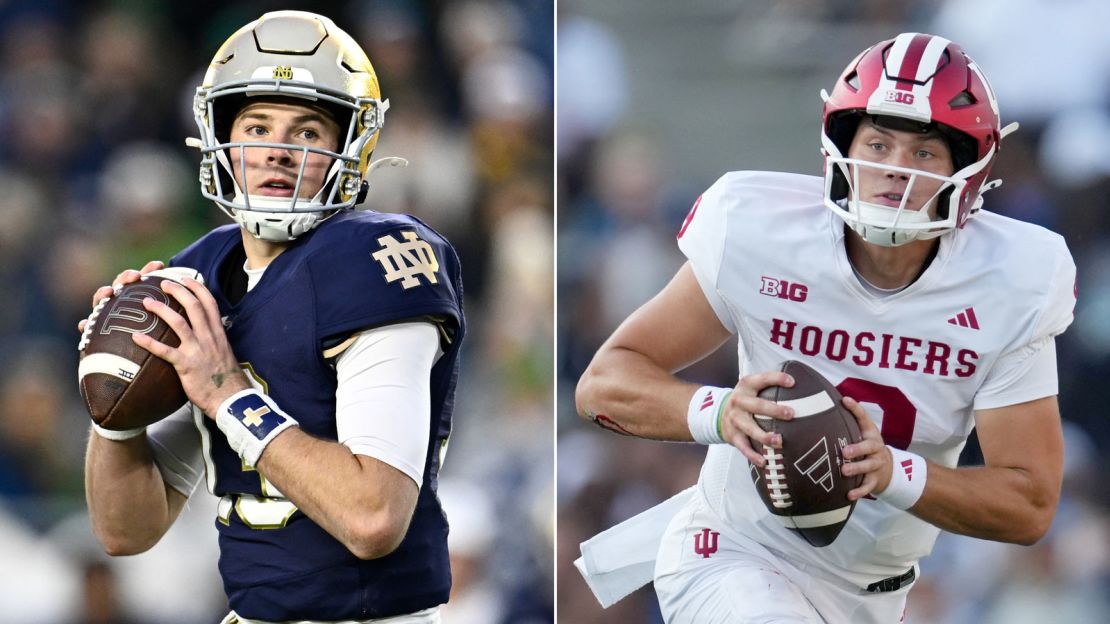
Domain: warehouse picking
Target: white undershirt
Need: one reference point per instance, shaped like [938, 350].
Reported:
[253, 275]
[383, 404]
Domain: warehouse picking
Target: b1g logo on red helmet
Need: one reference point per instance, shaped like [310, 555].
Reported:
[899, 97]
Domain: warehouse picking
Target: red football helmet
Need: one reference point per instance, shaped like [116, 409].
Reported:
[927, 82]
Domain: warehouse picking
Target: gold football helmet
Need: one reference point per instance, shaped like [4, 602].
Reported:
[303, 57]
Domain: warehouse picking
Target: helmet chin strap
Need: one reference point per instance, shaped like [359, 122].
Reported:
[276, 205]
[276, 223]
[276, 227]
[892, 236]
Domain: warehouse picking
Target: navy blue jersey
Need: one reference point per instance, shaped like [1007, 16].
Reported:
[357, 270]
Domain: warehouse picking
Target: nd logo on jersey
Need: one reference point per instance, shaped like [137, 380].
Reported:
[407, 260]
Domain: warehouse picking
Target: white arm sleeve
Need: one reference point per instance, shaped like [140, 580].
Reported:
[175, 443]
[383, 400]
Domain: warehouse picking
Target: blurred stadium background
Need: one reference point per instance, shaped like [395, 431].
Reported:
[657, 99]
[95, 103]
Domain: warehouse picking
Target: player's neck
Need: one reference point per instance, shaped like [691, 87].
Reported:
[889, 267]
[260, 253]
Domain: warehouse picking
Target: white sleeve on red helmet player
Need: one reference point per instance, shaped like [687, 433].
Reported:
[1060, 296]
[1028, 371]
[702, 239]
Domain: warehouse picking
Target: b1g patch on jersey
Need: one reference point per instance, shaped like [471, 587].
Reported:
[407, 259]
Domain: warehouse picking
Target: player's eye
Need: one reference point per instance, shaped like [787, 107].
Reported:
[310, 134]
[256, 130]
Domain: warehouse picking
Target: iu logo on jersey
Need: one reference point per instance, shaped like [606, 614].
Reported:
[773, 287]
[705, 543]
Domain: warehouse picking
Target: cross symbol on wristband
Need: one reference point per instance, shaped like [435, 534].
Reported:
[253, 417]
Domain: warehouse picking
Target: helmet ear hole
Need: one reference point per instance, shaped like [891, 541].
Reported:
[363, 191]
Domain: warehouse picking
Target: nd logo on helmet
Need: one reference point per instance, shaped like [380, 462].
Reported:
[283, 72]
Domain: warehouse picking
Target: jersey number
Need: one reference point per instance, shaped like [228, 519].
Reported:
[899, 415]
[269, 511]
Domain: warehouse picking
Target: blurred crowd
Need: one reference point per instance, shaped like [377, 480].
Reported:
[95, 177]
[654, 105]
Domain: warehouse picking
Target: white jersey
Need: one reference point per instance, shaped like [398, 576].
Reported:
[975, 331]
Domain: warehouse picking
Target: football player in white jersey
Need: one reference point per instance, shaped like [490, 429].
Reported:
[931, 316]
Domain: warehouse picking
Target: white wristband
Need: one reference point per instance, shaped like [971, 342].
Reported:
[907, 480]
[703, 415]
[118, 435]
[251, 420]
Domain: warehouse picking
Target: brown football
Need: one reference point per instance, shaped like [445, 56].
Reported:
[123, 385]
[801, 484]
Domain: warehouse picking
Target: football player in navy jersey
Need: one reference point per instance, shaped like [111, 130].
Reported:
[319, 351]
